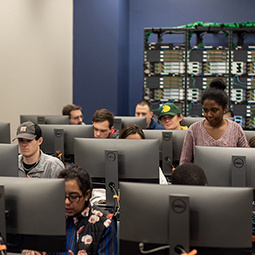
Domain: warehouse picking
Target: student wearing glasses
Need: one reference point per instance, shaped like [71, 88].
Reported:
[89, 230]
[75, 114]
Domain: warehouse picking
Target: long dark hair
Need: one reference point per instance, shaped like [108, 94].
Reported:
[131, 129]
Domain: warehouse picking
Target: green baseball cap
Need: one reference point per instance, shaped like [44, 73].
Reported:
[168, 108]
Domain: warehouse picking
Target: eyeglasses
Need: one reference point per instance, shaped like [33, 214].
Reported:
[73, 197]
[78, 117]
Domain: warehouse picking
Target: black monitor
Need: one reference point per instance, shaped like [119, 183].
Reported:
[35, 213]
[170, 146]
[9, 160]
[187, 121]
[187, 216]
[2, 213]
[45, 119]
[61, 137]
[5, 132]
[121, 121]
[227, 166]
[107, 160]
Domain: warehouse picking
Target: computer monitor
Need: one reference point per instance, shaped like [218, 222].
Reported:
[249, 134]
[9, 160]
[2, 213]
[61, 137]
[187, 121]
[227, 166]
[108, 160]
[5, 132]
[121, 121]
[35, 217]
[170, 146]
[45, 119]
[187, 216]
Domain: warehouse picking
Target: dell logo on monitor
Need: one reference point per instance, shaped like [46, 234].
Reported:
[238, 162]
[178, 206]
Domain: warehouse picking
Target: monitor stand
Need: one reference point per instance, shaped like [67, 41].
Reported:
[2, 213]
[117, 124]
[40, 120]
[111, 175]
[238, 171]
[179, 223]
[167, 153]
[59, 143]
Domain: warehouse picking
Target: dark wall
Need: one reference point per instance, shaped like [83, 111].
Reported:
[123, 63]
[99, 55]
[108, 44]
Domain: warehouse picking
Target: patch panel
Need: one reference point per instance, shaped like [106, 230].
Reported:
[211, 68]
[238, 68]
[194, 68]
[237, 95]
[193, 94]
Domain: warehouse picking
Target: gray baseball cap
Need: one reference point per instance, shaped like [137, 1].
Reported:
[26, 130]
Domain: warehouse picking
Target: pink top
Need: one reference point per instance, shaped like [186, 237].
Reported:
[197, 135]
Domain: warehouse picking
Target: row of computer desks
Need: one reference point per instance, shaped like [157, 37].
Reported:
[217, 219]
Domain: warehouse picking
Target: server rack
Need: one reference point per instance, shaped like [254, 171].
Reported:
[179, 64]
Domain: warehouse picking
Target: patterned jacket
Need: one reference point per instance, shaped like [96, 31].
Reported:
[91, 226]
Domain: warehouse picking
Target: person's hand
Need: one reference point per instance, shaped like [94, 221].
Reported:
[70, 252]
[31, 252]
[193, 252]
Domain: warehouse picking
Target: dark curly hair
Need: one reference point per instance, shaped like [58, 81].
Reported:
[216, 92]
[189, 174]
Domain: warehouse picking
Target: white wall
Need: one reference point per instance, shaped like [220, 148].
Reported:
[35, 57]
